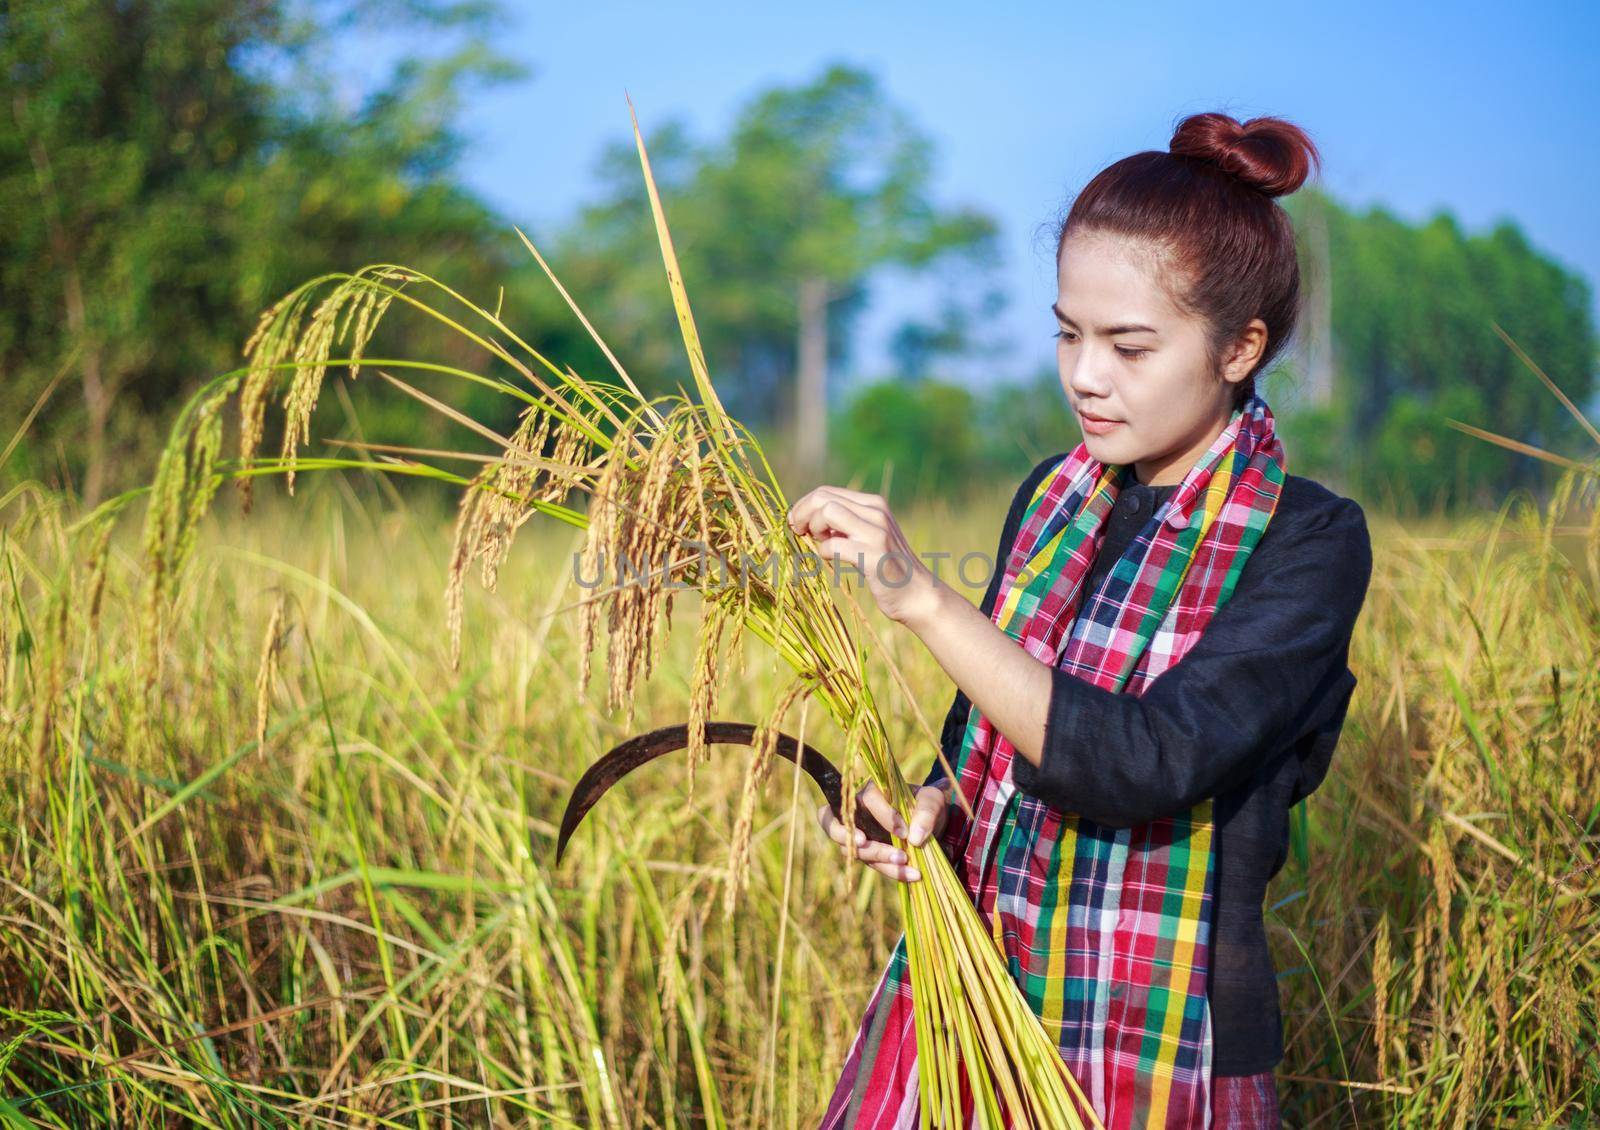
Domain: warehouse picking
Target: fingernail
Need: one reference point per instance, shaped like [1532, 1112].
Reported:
[912, 874]
[918, 834]
[900, 857]
[861, 837]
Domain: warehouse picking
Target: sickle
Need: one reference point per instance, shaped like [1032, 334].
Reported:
[623, 759]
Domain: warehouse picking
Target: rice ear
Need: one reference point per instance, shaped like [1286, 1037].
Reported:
[1382, 975]
[1444, 882]
[277, 325]
[267, 668]
[755, 775]
[180, 495]
[703, 681]
[349, 311]
[469, 523]
[597, 550]
[97, 560]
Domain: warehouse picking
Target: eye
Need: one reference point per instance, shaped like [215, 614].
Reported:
[1065, 335]
[1132, 354]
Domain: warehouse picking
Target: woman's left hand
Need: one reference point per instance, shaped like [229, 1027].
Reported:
[857, 529]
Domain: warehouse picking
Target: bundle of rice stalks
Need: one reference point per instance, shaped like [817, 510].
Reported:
[680, 494]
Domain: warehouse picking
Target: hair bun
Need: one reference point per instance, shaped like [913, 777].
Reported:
[1271, 155]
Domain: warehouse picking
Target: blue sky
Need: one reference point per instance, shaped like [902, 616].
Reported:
[1486, 110]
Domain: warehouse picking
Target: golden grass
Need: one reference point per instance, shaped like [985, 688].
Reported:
[186, 936]
[344, 917]
[655, 472]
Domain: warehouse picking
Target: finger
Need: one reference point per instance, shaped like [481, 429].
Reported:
[851, 518]
[804, 511]
[873, 852]
[930, 806]
[837, 832]
[818, 496]
[875, 802]
[834, 515]
[847, 553]
[865, 499]
[801, 507]
[904, 873]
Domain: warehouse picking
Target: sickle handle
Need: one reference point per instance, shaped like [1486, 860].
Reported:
[627, 756]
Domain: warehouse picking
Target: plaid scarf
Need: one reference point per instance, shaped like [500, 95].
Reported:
[1106, 930]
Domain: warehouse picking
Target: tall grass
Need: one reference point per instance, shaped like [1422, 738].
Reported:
[656, 472]
[354, 921]
[1440, 926]
[277, 854]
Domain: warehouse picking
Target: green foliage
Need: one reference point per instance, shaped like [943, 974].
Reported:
[1419, 460]
[825, 180]
[1311, 437]
[924, 434]
[1414, 309]
[1025, 421]
[168, 168]
[946, 439]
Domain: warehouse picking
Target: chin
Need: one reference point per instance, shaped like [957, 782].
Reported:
[1107, 450]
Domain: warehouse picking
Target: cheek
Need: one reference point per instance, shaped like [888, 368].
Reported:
[1159, 399]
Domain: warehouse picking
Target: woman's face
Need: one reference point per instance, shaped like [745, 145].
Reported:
[1129, 356]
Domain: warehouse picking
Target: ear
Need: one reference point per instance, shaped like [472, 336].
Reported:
[1247, 350]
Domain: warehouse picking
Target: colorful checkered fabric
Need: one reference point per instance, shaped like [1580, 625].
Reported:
[1105, 930]
[1245, 1102]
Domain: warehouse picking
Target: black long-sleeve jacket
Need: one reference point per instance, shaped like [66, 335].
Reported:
[1250, 716]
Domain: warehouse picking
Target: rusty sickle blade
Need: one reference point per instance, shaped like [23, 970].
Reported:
[629, 755]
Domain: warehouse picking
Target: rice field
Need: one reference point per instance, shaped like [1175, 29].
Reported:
[314, 883]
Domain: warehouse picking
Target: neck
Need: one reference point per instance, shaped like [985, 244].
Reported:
[1170, 468]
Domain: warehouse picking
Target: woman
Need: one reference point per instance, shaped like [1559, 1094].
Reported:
[1158, 670]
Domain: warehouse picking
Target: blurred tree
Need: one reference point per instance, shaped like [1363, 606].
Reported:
[963, 318]
[1417, 461]
[927, 431]
[778, 229]
[942, 437]
[170, 167]
[1023, 421]
[1412, 309]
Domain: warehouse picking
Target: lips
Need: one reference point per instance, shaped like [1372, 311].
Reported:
[1096, 425]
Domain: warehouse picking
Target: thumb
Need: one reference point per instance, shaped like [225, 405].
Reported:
[930, 806]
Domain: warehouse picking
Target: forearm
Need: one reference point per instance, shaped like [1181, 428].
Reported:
[1269, 661]
[1008, 685]
[1127, 764]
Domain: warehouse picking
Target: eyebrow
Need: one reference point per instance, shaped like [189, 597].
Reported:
[1109, 330]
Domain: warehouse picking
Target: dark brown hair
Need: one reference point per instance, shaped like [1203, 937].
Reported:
[1207, 206]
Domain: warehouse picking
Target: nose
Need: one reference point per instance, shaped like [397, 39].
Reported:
[1084, 373]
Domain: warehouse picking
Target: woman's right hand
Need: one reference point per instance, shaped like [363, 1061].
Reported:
[928, 815]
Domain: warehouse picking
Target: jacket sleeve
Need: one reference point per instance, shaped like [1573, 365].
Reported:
[955, 719]
[1270, 667]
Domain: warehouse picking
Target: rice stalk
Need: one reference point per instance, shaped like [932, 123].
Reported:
[655, 472]
[267, 668]
[1382, 974]
[138, 873]
[766, 741]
